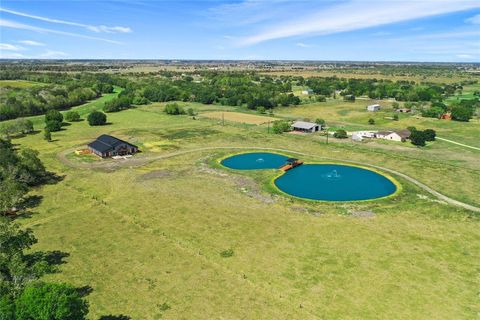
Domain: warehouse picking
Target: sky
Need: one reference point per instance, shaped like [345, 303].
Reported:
[352, 30]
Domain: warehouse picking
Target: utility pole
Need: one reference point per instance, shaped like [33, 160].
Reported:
[327, 135]
[268, 126]
[223, 119]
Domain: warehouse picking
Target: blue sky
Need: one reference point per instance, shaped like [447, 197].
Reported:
[388, 30]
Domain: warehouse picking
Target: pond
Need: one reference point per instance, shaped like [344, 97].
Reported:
[326, 182]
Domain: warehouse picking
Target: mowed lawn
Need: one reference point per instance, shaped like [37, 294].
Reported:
[146, 237]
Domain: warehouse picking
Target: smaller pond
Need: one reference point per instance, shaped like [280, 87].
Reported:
[255, 161]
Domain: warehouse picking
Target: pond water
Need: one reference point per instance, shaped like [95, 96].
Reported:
[255, 161]
[328, 182]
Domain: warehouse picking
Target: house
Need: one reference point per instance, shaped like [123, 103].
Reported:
[400, 135]
[307, 92]
[357, 137]
[108, 146]
[446, 116]
[373, 107]
[306, 126]
[364, 134]
[403, 110]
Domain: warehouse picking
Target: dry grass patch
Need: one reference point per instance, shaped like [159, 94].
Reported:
[238, 117]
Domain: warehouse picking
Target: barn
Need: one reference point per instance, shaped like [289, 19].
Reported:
[303, 126]
[108, 146]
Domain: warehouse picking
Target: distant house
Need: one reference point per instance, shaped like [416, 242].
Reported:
[373, 107]
[400, 135]
[403, 110]
[365, 134]
[307, 92]
[306, 126]
[108, 146]
[357, 137]
[446, 116]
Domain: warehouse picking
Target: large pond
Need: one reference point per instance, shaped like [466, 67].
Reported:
[327, 182]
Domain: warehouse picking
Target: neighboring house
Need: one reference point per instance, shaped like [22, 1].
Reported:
[403, 110]
[364, 134]
[307, 92]
[446, 116]
[356, 137]
[400, 136]
[306, 126]
[108, 146]
[373, 107]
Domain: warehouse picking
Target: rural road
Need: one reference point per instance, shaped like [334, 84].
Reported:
[132, 162]
[458, 143]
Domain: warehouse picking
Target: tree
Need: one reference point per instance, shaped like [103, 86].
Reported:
[53, 115]
[371, 121]
[53, 125]
[11, 193]
[340, 134]
[280, 126]
[417, 138]
[173, 109]
[429, 134]
[395, 105]
[395, 117]
[47, 135]
[97, 118]
[261, 110]
[462, 113]
[50, 301]
[320, 121]
[72, 116]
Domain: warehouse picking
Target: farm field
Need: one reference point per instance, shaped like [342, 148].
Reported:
[149, 232]
[18, 83]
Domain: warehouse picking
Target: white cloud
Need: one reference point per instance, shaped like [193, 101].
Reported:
[465, 56]
[52, 54]
[12, 55]
[16, 25]
[10, 47]
[356, 14]
[303, 45]
[31, 43]
[474, 19]
[100, 28]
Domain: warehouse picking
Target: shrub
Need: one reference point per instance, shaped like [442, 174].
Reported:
[191, 112]
[50, 301]
[174, 109]
[395, 117]
[371, 121]
[429, 134]
[53, 125]
[47, 135]
[261, 110]
[280, 126]
[340, 134]
[320, 121]
[97, 118]
[462, 113]
[72, 116]
[321, 98]
[227, 253]
[418, 138]
[53, 115]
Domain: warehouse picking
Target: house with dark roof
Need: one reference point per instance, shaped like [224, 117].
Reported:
[107, 146]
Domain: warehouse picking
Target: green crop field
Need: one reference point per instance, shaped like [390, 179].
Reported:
[146, 234]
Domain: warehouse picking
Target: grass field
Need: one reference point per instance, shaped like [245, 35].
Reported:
[238, 117]
[149, 237]
[18, 83]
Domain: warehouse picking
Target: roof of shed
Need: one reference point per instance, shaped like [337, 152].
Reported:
[304, 125]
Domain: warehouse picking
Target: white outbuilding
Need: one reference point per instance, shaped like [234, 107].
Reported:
[373, 107]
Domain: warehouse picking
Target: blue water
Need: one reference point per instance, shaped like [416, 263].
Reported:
[254, 161]
[334, 182]
[329, 182]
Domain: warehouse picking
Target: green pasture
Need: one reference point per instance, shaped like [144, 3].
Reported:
[19, 83]
[149, 234]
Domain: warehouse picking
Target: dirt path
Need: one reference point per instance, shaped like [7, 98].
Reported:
[458, 143]
[138, 161]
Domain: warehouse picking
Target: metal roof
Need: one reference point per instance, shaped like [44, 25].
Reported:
[106, 143]
[304, 125]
